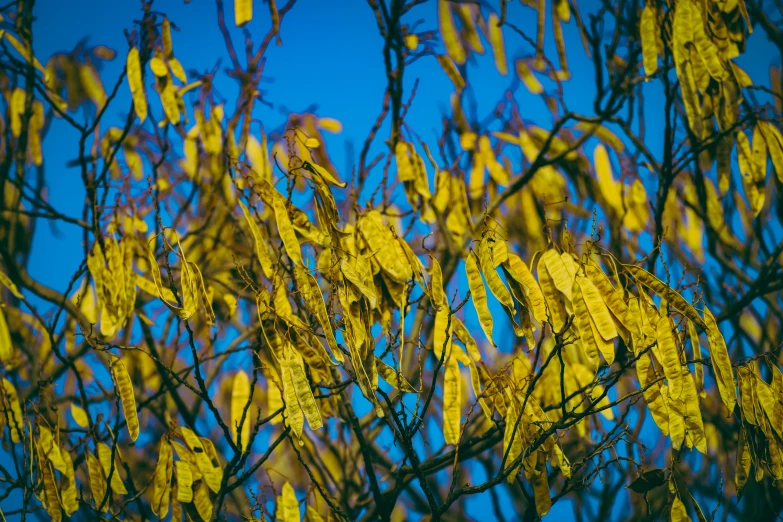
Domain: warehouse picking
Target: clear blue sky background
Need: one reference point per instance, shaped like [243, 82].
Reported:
[332, 57]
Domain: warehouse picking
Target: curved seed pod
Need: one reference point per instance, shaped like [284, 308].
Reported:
[538, 479]
[514, 432]
[70, 498]
[442, 333]
[670, 357]
[699, 366]
[724, 373]
[652, 393]
[359, 277]
[304, 394]
[494, 282]
[495, 38]
[559, 272]
[668, 293]
[286, 230]
[479, 296]
[554, 304]
[125, 389]
[184, 481]
[202, 502]
[201, 463]
[240, 396]
[383, 245]
[97, 480]
[705, 47]
[452, 401]
[475, 383]
[448, 32]
[772, 407]
[649, 30]
[597, 309]
[294, 415]
[519, 271]
[51, 497]
[438, 293]
[164, 293]
[261, 247]
[612, 297]
[314, 299]
[396, 379]
[676, 422]
[582, 321]
[691, 412]
[463, 335]
[136, 84]
[161, 486]
[198, 283]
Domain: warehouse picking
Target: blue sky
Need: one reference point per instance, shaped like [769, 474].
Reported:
[331, 57]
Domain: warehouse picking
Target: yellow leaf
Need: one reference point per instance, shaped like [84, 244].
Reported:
[679, 513]
[105, 456]
[79, 416]
[288, 505]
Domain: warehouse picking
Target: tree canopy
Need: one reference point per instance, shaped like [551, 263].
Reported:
[562, 300]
